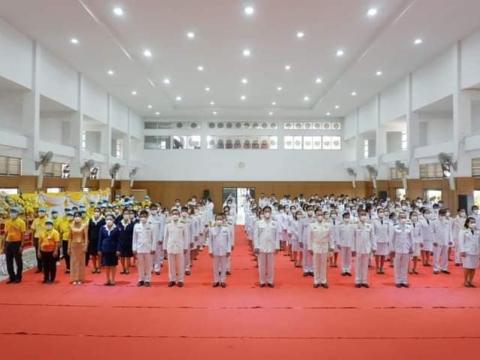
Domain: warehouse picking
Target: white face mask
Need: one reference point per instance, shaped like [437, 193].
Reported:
[143, 220]
[109, 222]
[346, 220]
[175, 217]
[320, 218]
[267, 215]
[462, 215]
[154, 212]
[403, 221]
[184, 214]
[472, 225]
[363, 218]
[219, 222]
[381, 215]
[77, 219]
[310, 213]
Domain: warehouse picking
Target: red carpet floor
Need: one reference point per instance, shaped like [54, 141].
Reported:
[435, 319]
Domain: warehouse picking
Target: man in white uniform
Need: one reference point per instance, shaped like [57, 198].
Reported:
[144, 246]
[266, 244]
[176, 243]
[363, 246]
[401, 247]
[443, 239]
[219, 248]
[157, 220]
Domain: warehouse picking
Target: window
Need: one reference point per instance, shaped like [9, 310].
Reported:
[307, 143]
[400, 193]
[433, 195]
[404, 141]
[242, 142]
[119, 148]
[395, 174]
[54, 169]
[84, 140]
[54, 190]
[476, 167]
[476, 197]
[10, 166]
[86, 189]
[365, 149]
[9, 191]
[431, 171]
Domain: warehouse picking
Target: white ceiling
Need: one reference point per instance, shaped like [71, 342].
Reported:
[222, 30]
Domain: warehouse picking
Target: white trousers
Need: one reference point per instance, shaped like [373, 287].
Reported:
[440, 258]
[144, 265]
[220, 269]
[320, 268]
[188, 259]
[307, 259]
[176, 267]
[266, 267]
[158, 257]
[361, 268]
[400, 264]
[458, 258]
[346, 258]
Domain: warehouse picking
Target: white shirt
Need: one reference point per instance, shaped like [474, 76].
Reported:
[219, 241]
[176, 239]
[266, 238]
[320, 237]
[143, 238]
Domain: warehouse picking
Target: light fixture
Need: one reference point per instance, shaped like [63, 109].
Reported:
[328, 114]
[214, 113]
[306, 98]
[191, 35]
[379, 73]
[372, 12]
[270, 113]
[147, 53]
[340, 52]
[247, 52]
[274, 103]
[318, 80]
[244, 81]
[300, 34]
[157, 113]
[212, 103]
[118, 11]
[149, 106]
[288, 67]
[166, 81]
[200, 68]
[134, 92]
[354, 93]
[178, 98]
[279, 88]
[249, 10]
[243, 98]
[74, 41]
[418, 41]
[111, 72]
[337, 107]
[207, 89]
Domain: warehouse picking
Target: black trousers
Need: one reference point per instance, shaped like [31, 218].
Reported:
[12, 252]
[49, 263]
[39, 261]
[65, 253]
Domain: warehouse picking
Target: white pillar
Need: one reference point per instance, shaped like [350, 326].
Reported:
[413, 137]
[76, 130]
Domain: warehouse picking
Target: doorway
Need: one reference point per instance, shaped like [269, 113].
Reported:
[239, 197]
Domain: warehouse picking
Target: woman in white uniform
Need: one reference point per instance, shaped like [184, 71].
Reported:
[469, 245]
[417, 241]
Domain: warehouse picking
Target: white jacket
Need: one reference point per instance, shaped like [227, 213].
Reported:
[363, 239]
[320, 237]
[219, 241]
[266, 236]
[468, 242]
[176, 239]
[401, 239]
[143, 238]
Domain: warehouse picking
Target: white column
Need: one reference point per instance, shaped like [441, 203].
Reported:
[76, 129]
[413, 137]
[380, 143]
[106, 142]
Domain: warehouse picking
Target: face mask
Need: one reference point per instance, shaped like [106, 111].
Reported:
[403, 221]
[153, 212]
[448, 214]
[109, 222]
[184, 214]
[77, 219]
[13, 216]
[177, 204]
[41, 214]
[363, 218]
[267, 215]
[310, 213]
[414, 218]
[320, 218]
[96, 214]
[462, 215]
[49, 227]
[282, 211]
[143, 219]
[219, 222]
[175, 217]
[472, 225]
[347, 220]
[381, 215]
[477, 212]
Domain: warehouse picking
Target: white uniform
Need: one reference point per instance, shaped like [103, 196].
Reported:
[307, 257]
[345, 233]
[219, 245]
[143, 244]
[381, 230]
[363, 245]
[469, 243]
[427, 234]
[158, 223]
[401, 242]
[417, 239]
[458, 225]
[176, 242]
[443, 239]
[266, 241]
[320, 242]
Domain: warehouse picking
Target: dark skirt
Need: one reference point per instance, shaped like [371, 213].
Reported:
[126, 248]
[93, 247]
[109, 259]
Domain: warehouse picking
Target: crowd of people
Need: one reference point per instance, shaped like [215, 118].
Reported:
[318, 233]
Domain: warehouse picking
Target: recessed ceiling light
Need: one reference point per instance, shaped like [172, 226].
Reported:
[134, 92]
[318, 80]
[191, 35]
[418, 41]
[244, 81]
[207, 89]
[178, 98]
[149, 106]
[354, 93]
[270, 113]
[379, 73]
[337, 107]
[288, 67]
[157, 113]
[200, 68]
[243, 98]
[300, 34]
[118, 11]
[279, 88]
[249, 10]
[306, 98]
[328, 114]
[147, 53]
[166, 81]
[247, 52]
[111, 72]
[372, 12]
[74, 41]
[212, 103]
[274, 103]
[214, 113]
[340, 52]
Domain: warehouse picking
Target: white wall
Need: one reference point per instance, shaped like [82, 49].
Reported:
[95, 101]
[470, 60]
[16, 57]
[11, 109]
[136, 126]
[394, 102]
[476, 117]
[350, 126]
[435, 130]
[368, 116]
[55, 127]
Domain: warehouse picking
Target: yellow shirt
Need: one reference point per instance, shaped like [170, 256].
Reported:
[38, 226]
[64, 229]
[48, 240]
[14, 229]
[57, 222]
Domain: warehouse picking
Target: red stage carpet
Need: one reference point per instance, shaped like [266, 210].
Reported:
[435, 319]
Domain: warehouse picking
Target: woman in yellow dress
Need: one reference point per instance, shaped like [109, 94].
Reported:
[77, 248]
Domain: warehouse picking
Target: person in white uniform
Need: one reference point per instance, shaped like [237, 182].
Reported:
[307, 260]
[427, 236]
[144, 246]
[344, 237]
[220, 248]
[417, 241]
[176, 243]
[443, 239]
[320, 242]
[363, 247]
[458, 226]
[266, 244]
[381, 229]
[401, 247]
[469, 245]
[157, 220]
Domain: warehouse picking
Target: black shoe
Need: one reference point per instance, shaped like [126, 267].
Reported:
[171, 284]
[305, 274]
[436, 272]
[157, 272]
[311, 273]
[262, 285]
[11, 282]
[38, 271]
[188, 272]
[358, 285]
[223, 285]
[316, 286]
[147, 284]
[343, 274]
[398, 285]
[140, 283]
[348, 274]
[446, 272]
[18, 281]
[270, 285]
[216, 284]
[325, 286]
[180, 284]
[405, 285]
[366, 286]
[229, 273]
